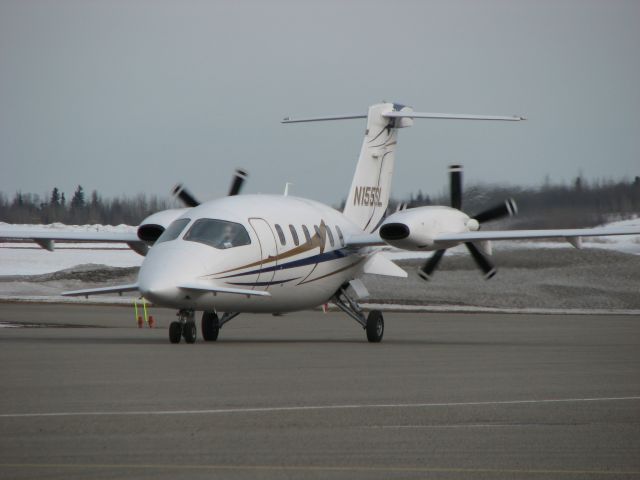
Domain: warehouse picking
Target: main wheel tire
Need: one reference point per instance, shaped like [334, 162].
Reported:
[210, 326]
[375, 326]
[189, 332]
[175, 332]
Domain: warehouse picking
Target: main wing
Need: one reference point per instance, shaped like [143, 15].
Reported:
[567, 233]
[572, 235]
[47, 238]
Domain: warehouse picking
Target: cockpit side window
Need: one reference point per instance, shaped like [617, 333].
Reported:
[173, 231]
[218, 233]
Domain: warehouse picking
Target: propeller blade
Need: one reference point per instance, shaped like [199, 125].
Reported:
[506, 209]
[455, 177]
[482, 261]
[430, 265]
[239, 177]
[400, 207]
[183, 194]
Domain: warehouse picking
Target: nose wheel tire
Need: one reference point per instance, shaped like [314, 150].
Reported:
[375, 326]
[189, 332]
[210, 326]
[175, 332]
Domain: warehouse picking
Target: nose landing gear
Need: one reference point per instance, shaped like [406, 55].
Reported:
[185, 327]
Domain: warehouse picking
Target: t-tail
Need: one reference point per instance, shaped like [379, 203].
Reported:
[371, 186]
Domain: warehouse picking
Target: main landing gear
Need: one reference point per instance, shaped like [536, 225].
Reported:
[372, 323]
[211, 324]
[185, 326]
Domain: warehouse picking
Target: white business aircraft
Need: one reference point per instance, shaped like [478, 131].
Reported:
[275, 254]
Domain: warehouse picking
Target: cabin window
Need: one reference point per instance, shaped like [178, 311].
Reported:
[283, 241]
[330, 235]
[294, 235]
[305, 230]
[218, 233]
[174, 230]
[317, 229]
[340, 235]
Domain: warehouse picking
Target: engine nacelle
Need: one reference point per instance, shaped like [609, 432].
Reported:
[415, 229]
[154, 225]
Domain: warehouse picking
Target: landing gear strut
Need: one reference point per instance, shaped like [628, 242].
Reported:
[185, 327]
[373, 323]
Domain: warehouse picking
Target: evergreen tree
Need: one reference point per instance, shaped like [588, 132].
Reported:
[55, 197]
[78, 198]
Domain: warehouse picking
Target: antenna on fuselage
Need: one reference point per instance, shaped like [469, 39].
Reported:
[286, 188]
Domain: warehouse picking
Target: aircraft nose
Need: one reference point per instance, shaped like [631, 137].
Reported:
[164, 269]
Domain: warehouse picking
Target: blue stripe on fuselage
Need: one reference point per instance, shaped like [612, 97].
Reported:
[320, 258]
[262, 284]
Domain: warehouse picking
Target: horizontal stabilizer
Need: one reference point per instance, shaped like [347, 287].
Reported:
[322, 119]
[409, 114]
[200, 287]
[101, 291]
[452, 116]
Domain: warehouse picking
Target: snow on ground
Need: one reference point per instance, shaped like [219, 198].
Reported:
[29, 259]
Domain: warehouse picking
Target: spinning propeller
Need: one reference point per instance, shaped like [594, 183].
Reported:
[507, 208]
[239, 177]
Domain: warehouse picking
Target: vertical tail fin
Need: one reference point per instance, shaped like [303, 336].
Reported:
[370, 189]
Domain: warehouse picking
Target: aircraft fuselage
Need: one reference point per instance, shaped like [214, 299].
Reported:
[290, 247]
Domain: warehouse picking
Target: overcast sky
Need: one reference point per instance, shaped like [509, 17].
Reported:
[134, 96]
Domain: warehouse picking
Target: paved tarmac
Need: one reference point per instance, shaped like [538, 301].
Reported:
[305, 396]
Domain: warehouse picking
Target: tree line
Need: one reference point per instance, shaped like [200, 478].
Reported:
[79, 210]
[581, 203]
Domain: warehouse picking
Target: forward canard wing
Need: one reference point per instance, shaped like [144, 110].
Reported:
[102, 291]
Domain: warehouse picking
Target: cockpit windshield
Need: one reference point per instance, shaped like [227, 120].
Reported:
[173, 231]
[218, 233]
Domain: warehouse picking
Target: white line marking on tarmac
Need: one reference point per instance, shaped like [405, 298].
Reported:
[511, 472]
[315, 407]
[456, 425]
